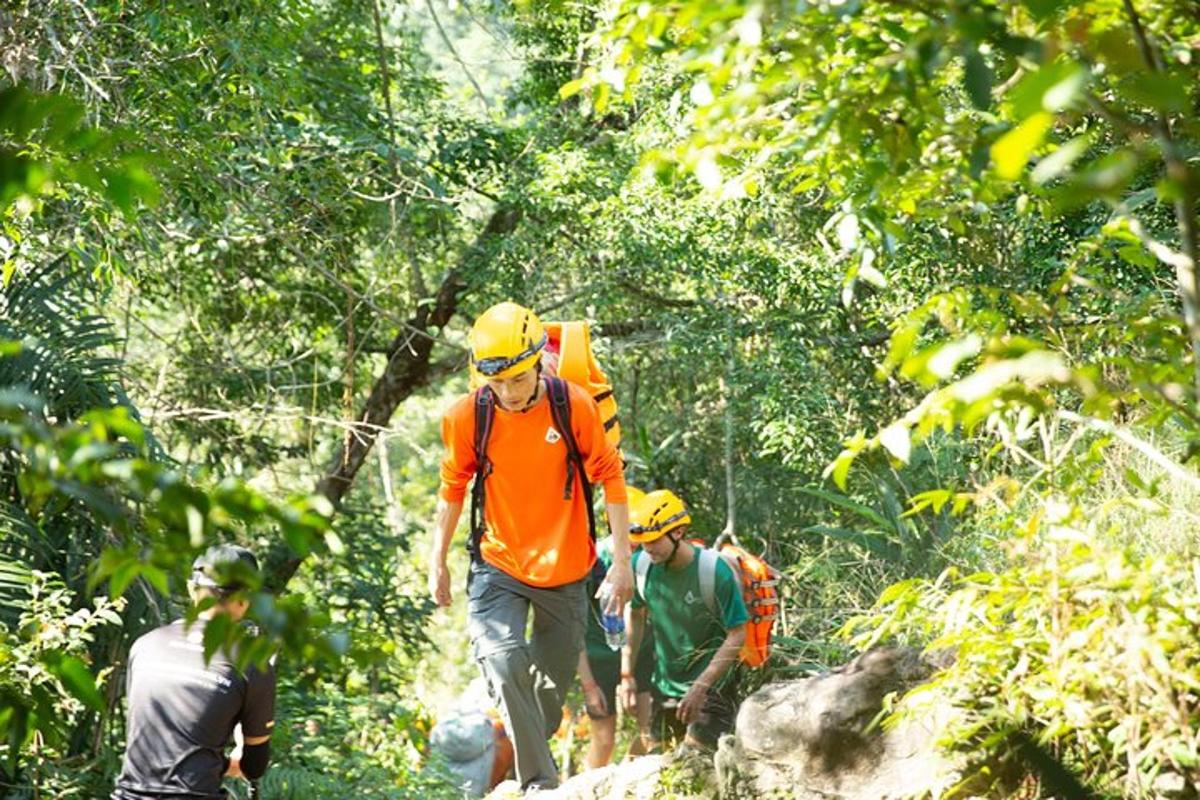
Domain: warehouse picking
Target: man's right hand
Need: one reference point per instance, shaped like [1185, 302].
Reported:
[439, 583]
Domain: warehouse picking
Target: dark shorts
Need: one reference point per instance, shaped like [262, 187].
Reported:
[717, 717]
[607, 674]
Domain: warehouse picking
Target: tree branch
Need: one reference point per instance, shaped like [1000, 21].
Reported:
[654, 297]
[1180, 173]
[453, 52]
[409, 368]
[1153, 454]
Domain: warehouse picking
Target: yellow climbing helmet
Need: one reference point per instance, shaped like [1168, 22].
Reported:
[505, 340]
[633, 496]
[655, 515]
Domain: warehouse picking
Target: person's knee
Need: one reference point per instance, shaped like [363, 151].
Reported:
[509, 666]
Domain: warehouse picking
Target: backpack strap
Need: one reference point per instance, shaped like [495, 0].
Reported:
[708, 578]
[560, 411]
[641, 568]
[485, 416]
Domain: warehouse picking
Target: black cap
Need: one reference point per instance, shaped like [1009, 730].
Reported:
[223, 567]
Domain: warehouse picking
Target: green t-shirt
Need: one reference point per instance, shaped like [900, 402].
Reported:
[686, 633]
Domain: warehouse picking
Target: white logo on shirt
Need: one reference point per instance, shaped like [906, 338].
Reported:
[552, 436]
[689, 598]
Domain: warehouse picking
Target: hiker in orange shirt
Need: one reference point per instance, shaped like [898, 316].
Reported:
[533, 445]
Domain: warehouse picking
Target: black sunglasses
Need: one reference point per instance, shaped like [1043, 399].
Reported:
[494, 365]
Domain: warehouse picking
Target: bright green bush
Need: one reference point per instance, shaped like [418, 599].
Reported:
[1086, 647]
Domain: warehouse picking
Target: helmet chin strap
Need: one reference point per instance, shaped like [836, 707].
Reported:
[675, 549]
[537, 384]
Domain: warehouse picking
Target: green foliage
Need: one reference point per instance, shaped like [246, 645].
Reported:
[940, 239]
[45, 145]
[46, 684]
[56, 350]
[862, 100]
[366, 745]
[1086, 647]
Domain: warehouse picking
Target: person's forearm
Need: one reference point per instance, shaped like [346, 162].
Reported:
[584, 668]
[618, 521]
[254, 760]
[444, 522]
[629, 653]
[724, 658]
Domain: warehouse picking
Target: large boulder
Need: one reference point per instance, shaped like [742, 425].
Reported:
[815, 738]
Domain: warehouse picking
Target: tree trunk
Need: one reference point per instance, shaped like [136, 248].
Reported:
[408, 369]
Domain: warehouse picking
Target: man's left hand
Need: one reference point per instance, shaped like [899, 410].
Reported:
[620, 578]
[692, 704]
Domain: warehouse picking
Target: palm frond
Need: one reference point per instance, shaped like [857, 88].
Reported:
[15, 579]
[62, 359]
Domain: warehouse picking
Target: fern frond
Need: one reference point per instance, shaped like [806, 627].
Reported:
[62, 359]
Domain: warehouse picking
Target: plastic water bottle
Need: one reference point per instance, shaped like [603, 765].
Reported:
[613, 624]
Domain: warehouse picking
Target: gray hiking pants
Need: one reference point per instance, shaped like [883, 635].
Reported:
[528, 679]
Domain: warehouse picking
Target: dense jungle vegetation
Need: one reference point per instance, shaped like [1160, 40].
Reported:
[904, 291]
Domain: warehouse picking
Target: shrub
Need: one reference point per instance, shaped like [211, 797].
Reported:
[1083, 646]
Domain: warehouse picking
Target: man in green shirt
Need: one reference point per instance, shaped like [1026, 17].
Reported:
[698, 630]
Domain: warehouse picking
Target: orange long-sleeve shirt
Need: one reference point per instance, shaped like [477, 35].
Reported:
[530, 531]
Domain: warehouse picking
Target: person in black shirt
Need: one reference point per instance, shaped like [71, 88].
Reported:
[183, 711]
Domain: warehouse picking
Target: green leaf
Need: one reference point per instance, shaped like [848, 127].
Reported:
[216, 633]
[1014, 149]
[841, 501]
[601, 97]
[1167, 92]
[978, 80]
[1060, 160]
[873, 541]
[897, 440]
[939, 362]
[75, 677]
[1110, 174]
[1120, 53]
[156, 578]
[1043, 9]
[122, 576]
[839, 470]
[1137, 255]
[571, 88]
[1053, 87]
